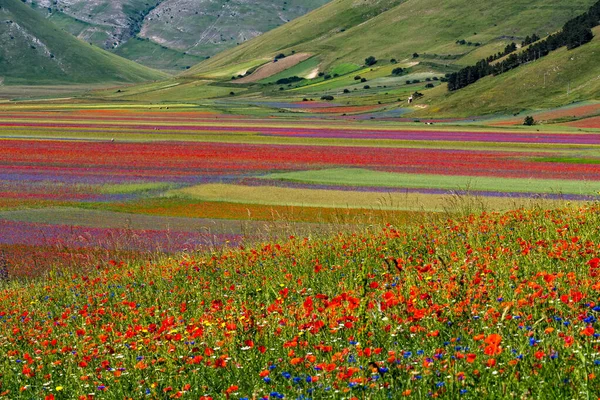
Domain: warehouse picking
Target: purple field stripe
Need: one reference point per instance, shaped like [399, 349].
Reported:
[37, 234]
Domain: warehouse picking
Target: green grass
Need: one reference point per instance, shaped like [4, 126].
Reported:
[169, 91]
[344, 31]
[569, 160]
[41, 53]
[156, 56]
[327, 198]
[364, 177]
[135, 188]
[569, 76]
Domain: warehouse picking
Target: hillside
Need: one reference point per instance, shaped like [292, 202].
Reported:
[560, 78]
[349, 30]
[169, 34]
[34, 51]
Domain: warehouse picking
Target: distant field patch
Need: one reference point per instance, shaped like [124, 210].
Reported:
[273, 68]
[303, 70]
[593, 123]
[345, 68]
[364, 177]
[337, 199]
[129, 188]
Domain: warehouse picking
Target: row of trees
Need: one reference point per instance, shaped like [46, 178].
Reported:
[574, 33]
[510, 48]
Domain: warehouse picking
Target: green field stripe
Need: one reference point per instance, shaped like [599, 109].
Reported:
[369, 178]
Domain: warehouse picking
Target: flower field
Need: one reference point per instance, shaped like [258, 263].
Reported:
[499, 305]
[204, 175]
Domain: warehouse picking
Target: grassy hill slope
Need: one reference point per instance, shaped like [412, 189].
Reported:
[560, 78]
[349, 30]
[170, 34]
[34, 51]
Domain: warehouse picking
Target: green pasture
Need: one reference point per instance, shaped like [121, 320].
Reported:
[343, 32]
[234, 70]
[146, 52]
[483, 52]
[561, 78]
[365, 177]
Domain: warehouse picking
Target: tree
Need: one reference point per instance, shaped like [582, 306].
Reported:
[529, 121]
[370, 61]
[327, 97]
[415, 55]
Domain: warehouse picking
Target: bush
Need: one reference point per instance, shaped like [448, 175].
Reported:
[279, 56]
[327, 97]
[346, 91]
[393, 61]
[357, 78]
[429, 85]
[370, 61]
[529, 121]
[398, 71]
[415, 55]
[291, 79]
[363, 80]
[287, 81]
[366, 87]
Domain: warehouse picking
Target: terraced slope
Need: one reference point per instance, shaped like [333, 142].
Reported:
[170, 34]
[350, 30]
[35, 51]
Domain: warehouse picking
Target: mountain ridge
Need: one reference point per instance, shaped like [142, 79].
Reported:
[36, 51]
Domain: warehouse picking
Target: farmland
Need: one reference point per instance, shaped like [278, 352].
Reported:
[185, 178]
